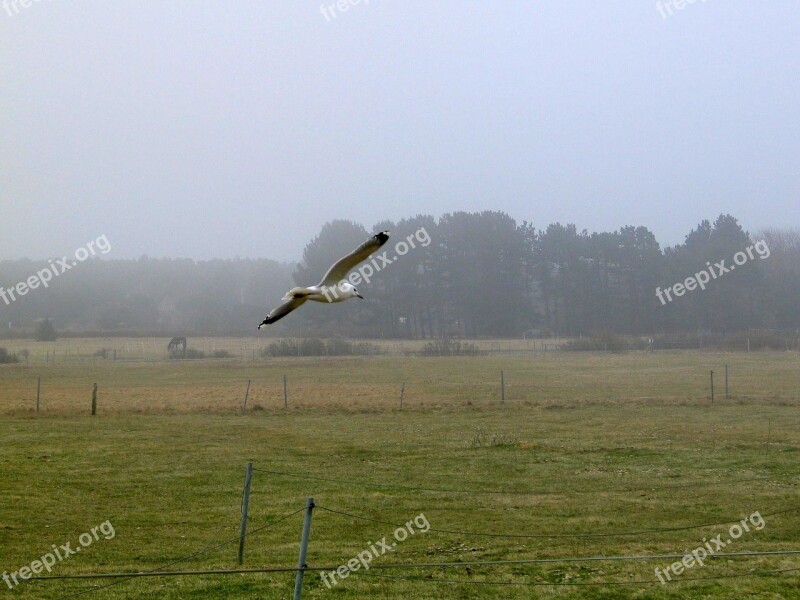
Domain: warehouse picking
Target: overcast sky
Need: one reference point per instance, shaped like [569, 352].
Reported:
[222, 129]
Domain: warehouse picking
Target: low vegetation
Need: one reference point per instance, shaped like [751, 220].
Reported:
[6, 357]
[319, 347]
[447, 346]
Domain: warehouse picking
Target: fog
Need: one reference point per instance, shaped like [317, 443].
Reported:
[217, 130]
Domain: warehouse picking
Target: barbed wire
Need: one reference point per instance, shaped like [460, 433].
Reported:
[579, 583]
[159, 570]
[558, 535]
[414, 566]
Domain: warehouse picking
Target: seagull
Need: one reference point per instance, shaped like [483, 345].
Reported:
[332, 288]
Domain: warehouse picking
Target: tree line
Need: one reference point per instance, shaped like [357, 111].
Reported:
[479, 274]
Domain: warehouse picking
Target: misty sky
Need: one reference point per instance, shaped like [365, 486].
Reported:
[222, 129]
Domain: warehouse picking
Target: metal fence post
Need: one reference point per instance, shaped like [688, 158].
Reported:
[301, 562]
[248, 476]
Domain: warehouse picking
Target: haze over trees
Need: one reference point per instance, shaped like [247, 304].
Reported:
[481, 274]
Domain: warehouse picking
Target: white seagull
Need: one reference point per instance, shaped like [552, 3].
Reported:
[332, 288]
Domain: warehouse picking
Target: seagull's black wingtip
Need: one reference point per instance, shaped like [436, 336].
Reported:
[382, 236]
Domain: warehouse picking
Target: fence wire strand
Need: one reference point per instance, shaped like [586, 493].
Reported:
[129, 576]
[556, 535]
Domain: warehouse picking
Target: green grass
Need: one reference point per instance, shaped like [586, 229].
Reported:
[603, 443]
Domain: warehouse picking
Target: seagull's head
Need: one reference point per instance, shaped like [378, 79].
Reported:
[348, 290]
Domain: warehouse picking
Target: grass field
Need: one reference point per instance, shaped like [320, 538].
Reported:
[584, 444]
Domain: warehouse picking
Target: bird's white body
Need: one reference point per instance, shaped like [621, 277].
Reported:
[320, 293]
[333, 287]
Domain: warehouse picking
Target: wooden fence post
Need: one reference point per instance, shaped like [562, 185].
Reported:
[94, 400]
[712, 387]
[246, 394]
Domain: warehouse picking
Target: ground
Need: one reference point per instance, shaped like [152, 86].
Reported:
[583, 444]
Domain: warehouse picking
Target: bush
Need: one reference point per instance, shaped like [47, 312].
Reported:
[221, 354]
[45, 332]
[318, 347]
[447, 346]
[7, 358]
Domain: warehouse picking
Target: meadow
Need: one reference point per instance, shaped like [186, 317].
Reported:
[581, 455]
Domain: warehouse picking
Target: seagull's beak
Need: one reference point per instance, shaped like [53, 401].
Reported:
[359, 295]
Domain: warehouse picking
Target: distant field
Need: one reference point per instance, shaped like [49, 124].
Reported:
[583, 444]
[74, 350]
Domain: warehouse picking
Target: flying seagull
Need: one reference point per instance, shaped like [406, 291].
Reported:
[332, 288]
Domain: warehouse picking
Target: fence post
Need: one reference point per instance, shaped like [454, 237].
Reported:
[712, 387]
[248, 476]
[94, 400]
[502, 387]
[246, 394]
[38, 389]
[301, 562]
[285, 393]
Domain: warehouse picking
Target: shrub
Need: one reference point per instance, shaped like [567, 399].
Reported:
[221, 354]
[448, 346]
[7, 358]
[45, 332]
[318, 347]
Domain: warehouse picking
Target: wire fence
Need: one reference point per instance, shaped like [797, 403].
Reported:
[479, 569]
[134, 393]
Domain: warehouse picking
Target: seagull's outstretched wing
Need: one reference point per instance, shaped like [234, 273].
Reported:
[342, 266]
[283, 310]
